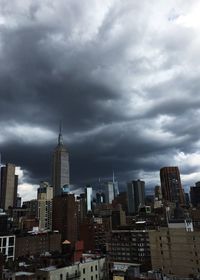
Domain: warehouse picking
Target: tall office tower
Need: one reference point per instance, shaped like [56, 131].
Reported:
[64, 218]
[136, 196]
[172, 190]
[60, 166]
[9, 183]
[109, 192]
[195, 194]
[115, 186]
[44, 197]
[88, 192]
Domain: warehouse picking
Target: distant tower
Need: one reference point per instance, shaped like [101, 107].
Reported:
[172, 190]
[60, 166]
[88, 192]
[115, 186]
[109, 192]
[136, 196]
[8, 190]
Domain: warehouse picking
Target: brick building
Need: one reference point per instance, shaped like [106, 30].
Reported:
[64, 217]
[37, 244]
[130, 246]
[175, 251]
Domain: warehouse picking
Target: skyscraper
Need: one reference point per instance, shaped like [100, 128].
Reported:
[60, 166]
[88, 192]
[115, 186]
[8, 190]
[172, 190]
[109, 192]
[136, 195]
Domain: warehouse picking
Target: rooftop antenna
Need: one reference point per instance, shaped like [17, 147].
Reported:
[60, 138]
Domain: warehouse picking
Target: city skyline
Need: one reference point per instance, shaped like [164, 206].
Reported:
[126, 88]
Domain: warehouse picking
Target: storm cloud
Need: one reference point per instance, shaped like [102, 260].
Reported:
[123, 76]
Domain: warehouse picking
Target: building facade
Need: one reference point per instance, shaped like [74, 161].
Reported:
[136, 196]
[195, 195]
[32, 207]
[45, 197]
[130, 246]
[172, 190]
[37, 244]
[64, 217]
[109, 192]
[89, 269]
[9, 183]
[175, 251]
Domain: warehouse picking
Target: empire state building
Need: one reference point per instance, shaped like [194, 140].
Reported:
[60, 166]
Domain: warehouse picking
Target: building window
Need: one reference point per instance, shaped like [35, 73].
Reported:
[83, 270]
[11, 241]
[91, 277]
[4, 242]
[10, 251]
[91, 268]
[61, 276]
[96, 267]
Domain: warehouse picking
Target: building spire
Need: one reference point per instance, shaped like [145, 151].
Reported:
[113, 177]
[60, 138]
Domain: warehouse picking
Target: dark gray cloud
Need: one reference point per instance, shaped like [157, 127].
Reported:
[123, 77]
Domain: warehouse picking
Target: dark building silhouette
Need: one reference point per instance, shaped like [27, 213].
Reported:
[32, 207]
[4, 225]
[8, 188]
[121, 199]
[195, 194]
[93, 234]
[64, 217]
[82, 207]
[136, 196]
[172, 190]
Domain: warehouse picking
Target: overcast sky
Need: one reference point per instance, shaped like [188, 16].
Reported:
[124, 77]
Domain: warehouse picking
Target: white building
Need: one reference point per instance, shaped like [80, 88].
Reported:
[88, 191]
[88, 270]
[109, 192]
